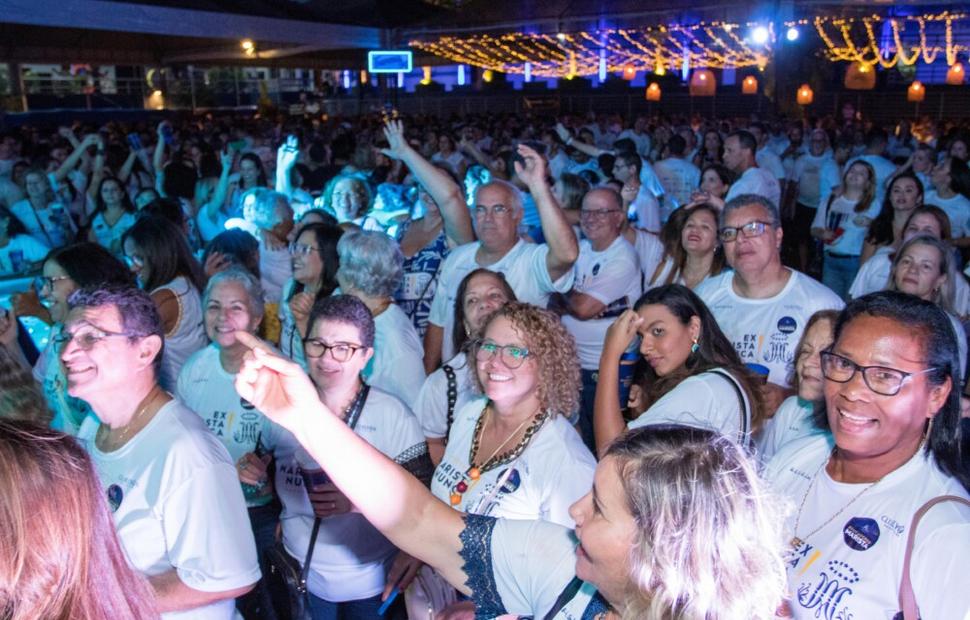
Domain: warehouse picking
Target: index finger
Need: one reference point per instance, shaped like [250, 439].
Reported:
[527, 151]
[252, 342]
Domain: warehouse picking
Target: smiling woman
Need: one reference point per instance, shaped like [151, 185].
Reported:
[892, 407]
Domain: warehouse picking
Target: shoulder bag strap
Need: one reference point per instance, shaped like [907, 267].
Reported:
[309, 554]
[743, 408]
[567, 595]
[452, 397]
[907, 598]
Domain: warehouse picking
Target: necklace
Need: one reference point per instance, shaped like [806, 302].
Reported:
[797, 541]
[473, 474]
[120, 441]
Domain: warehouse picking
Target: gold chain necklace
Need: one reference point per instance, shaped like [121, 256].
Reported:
[120, 441]
[798, 541]
[473, 474]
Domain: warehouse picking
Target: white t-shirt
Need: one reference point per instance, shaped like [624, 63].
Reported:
[707, 401]
[792, 421]
[841, 214]
[398, 363]
[524, 266]
[50, 228]
[110, 236]
[851, 567]
[189, 334]
[350, 556]
[432, 404]
[650, 251]
[957, 208]
[679, 178]
[812, 175]
[873, 275]
[766, 331]
[645, 210]
[611, 277]
[756, 181]
[291, 340]
[883, 168]
[770, 161]
[554, 471]
[177, 504]
[275, 268]
[32, 251]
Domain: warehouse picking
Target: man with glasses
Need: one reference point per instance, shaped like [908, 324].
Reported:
[533, 271]
[762, 306]
[607, 283]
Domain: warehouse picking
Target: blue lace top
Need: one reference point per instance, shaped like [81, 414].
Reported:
[420, 281]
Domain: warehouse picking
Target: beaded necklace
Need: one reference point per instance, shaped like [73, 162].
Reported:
[473, 474]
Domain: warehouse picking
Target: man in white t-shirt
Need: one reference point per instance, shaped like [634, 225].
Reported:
[766, 157]
[679, 177]
[533, 271]
[639, 203]
[739, 156]
[607, 283]
[762, 306]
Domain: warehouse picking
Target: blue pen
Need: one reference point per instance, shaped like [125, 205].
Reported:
[390, 599]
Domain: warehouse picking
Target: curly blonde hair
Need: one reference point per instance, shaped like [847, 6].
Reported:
[554, 350]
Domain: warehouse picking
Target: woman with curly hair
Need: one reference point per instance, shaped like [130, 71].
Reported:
[677, 525]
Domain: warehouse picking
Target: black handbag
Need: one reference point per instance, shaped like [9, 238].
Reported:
[286, 579]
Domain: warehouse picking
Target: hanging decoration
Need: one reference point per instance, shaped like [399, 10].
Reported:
[955, 74]
[702, 83]
[860, 76]
[629, 72]
[749, 86]
[653, 92]
[805, 95]
[916, 92]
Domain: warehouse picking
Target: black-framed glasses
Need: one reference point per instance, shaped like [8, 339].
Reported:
[749, 230]
[339, 351]
[302, 249]
[511, 355]
[87, 338]
[880, 379]
[47, 282]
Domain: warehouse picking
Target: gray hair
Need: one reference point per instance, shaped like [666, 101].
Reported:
[344, 309]
[266, 207]
[248, 281]
[370, 262]
[139, 315]
[515, 198]
[944, 297]
[748, 200]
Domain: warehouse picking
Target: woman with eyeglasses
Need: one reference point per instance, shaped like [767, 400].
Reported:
[65, 270]
[315, 262]
[693, 375]
[159, 256]
[439, 221]
[350, 560]
[892, 408]
[19, 251]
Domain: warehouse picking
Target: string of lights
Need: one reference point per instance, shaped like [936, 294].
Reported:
[869, 51]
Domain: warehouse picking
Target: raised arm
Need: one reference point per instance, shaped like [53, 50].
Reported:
[394, 501]
[286, 157]
[563, 248]
[608, 423]
[97, 170]
[218, 196]
[71, 162]
[158, 160]
[569, 140]
[446, 193]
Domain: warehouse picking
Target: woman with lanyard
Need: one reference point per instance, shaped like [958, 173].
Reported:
[159, 256]
[693, 375]
[841, 224]
[233, 301]
[892, 406]
[349, 560]
[448, 389]
[439, 221]
[315, 262]
[46, 220]
[664, 498]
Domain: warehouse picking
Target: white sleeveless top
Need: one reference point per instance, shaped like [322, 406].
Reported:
[188, 335]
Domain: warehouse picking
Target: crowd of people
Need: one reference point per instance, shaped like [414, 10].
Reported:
[481, 367]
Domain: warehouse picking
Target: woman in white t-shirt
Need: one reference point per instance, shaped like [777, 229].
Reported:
[46, 220]
[349, 199]
[903, 196]
[692, 374]
[793, 419]
[664, 498]
[19, 251]
[113, 215]
[842, 223]
[371, 267]
[159, 256]
[697, 256]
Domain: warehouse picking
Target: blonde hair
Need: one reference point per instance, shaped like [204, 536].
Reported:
[708, 544]
[20, 396]
[59, 553]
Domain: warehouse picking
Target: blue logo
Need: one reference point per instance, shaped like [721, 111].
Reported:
[596, 269]
[787, 325]
[860, 533]
[511, 483]
[115, 496]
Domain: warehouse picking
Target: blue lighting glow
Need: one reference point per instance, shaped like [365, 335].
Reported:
[528, 72]
[602, 67]
[461, 75]
[347, 79]
[792, 34]
[759, 35]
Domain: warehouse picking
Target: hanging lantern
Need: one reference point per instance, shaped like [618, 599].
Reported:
[955, 74]
[702, 83]
[427, 75]
[487, 75]
[860, 76]
[629, 72]
[653, 92]
[749, 86]
[805, 95]
[916, 92]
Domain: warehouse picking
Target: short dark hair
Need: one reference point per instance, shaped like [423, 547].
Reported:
[344, 309]
[459, 336]
[139, 315]
[745, 139]
[676, 146]
[239, 246]
[631, 159]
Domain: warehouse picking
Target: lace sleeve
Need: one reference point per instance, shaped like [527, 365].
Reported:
[417, 462]
[476, 551]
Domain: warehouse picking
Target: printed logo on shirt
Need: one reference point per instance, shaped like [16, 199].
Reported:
[115, 497]
[829, 595]
[245, 404]
[596, 269]
[860, 533]
[247, 430]
[892, 525]
[787, 325]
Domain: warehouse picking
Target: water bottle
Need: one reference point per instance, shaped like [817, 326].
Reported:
[628, 363]
[16, 260]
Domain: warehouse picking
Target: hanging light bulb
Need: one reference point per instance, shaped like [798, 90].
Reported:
[916, 92]
[749, 86]
[653, 92]
[629, 72]
[955, 74]
[805, 95]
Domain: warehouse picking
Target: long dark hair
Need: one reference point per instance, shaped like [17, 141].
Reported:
[126, 202]
[91, 264]
[928, 322]
[326, 236]
[459, 335]
[714, 349]
[261, 178]
[679, 255]
[166, 251]
[881, 229]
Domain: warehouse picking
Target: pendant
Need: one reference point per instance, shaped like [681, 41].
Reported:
[455, 499]
[474, 473]
[796, 542]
